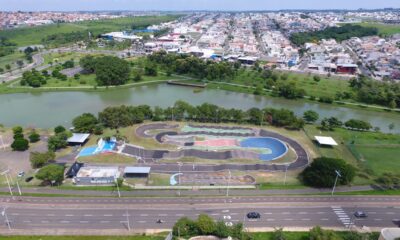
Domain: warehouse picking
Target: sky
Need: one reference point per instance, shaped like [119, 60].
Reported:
[178, 5]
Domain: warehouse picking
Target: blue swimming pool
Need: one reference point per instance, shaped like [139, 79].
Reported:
[277, 147]
[93, 150]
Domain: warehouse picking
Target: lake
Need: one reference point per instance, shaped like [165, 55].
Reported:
[48, 109]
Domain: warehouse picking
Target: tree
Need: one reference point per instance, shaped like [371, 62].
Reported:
[38, 159]
[20, 144]
[317, 233]
[310, 116]
[8, 67]
[20, 63]
[317, 78]
[59, 129]
[111, 71]
[358, 124]
[34, 137]
[321, 172]
[205, 224]
[1, 70]
[57, 142]
[185, 227]
[150, 69]
[51, 174]
[392, 104]
[85, 123]
[77, 76]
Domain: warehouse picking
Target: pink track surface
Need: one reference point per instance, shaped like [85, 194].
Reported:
[217, 143]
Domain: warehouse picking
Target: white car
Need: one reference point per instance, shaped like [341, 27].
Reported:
[21, 174]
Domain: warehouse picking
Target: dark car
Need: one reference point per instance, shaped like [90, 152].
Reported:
[360, 214]
[28, 179]
[253, 215]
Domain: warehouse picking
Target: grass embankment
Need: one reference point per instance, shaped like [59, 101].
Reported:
[156, 237]
[373, 153]
[34, 35]
[306, 235]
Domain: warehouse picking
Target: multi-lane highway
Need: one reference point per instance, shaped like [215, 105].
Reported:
[142, 213]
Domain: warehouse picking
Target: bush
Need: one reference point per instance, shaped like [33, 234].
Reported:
[34, 137]
[310, 116]
[321, 172]
[59, 129]
[358, 124]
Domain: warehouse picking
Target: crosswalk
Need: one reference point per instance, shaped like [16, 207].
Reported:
[342, 215]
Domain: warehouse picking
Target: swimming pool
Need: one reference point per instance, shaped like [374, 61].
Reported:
[93, 150]
[278, 148]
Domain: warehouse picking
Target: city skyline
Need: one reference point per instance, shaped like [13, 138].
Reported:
[187, 5]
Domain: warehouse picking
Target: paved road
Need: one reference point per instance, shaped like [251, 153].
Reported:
[110, 213]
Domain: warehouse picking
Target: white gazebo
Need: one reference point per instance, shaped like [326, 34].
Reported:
[326, 141]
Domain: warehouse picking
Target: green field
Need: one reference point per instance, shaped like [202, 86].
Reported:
[384, 29]
[34, 35]
[380, 159]
[373, 153]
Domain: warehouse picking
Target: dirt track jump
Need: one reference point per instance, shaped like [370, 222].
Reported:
[186, 139]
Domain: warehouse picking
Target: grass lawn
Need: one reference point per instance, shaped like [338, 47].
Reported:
[384, 29]
[380, 159]
[108, 159]
[326, 87]
[11, 60]
[34, 35]
[156, 237]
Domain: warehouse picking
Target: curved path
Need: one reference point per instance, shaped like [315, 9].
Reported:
[131, 150]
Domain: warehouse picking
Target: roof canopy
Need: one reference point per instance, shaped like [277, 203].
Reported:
[78, 138]
[326, 141]
[131, 170]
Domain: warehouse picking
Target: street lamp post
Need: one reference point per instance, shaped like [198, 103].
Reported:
[334, 185]
[119, 193]
[4, 214]
[287, 166]
[229, 181]
[179, 178]
[8, 182]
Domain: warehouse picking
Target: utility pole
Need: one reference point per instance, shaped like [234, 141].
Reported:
[179, 178]
[337, 176]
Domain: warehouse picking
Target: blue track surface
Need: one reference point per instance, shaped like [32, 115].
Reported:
[278, 148]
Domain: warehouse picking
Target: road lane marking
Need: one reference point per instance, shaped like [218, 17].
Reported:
[88, 215]
[69, 215]
[107, 215]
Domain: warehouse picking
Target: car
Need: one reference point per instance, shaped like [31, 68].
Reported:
[360, 214]
[21, 174]
[28, 179]
[253, 215]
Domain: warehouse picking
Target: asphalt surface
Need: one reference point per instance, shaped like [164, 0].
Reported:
[152, 155]
[112, 213]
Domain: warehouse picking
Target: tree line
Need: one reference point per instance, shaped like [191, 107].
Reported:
[338, 33]
[124, 116]
[376, 92]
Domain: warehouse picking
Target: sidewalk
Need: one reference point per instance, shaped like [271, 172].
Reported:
[184, 193]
